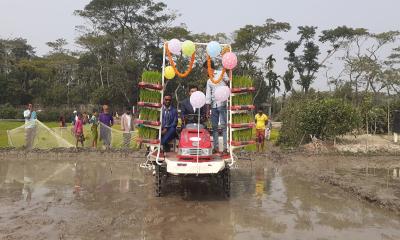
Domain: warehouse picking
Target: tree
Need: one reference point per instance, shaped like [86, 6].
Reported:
[306, 65]
[14, 83]
[287, 80]
[250, 39]
[58, 46]
[126, 37]
[273, 78]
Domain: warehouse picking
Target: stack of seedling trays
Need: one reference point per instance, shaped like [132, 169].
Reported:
[150, 106]
[242, 122]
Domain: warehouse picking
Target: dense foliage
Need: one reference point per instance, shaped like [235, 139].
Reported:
[121, 44]
[322, 117]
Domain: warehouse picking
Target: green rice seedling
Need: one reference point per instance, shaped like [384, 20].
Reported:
[149, 96]
[243, 99]
[243, 135]
[148, 133]
[152, 77]
[149, 114]
[242, 118]
[242, 81]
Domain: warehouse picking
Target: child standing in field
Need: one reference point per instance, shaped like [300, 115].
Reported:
[95, 123]
[78, 130]
[261, 123]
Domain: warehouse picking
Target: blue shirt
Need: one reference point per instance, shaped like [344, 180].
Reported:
[169, 117]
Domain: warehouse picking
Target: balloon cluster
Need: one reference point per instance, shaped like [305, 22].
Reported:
[188, 48]
[176, 47]
[198, 99]
[229, 59]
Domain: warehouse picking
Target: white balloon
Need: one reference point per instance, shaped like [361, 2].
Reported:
[197, 99]
[175, 46]
[222, 93]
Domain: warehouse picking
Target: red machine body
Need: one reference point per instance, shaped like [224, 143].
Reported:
[194, 145]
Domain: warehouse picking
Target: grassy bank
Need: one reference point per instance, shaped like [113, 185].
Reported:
[9, 125]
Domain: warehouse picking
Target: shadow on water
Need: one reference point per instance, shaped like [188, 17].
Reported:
[105, 200]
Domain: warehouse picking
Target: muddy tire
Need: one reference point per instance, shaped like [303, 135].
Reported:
[158, 181]
[226, 182]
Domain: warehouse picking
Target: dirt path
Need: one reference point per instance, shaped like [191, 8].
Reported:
[87, 195]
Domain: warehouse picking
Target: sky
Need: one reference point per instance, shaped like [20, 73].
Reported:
[41, 21]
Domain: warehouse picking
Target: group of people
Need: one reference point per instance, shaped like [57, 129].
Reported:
[213, 110]
[217, 109]
[102, 123]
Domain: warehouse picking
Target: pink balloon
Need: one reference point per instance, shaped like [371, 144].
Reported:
[222, 93]
[197, 99]
[229, 60]
[175, 46]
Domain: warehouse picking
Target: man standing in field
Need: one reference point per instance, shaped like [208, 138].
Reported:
[106, 121]
[126, 127]
[261, 123]
[30, 126]
[218, 109]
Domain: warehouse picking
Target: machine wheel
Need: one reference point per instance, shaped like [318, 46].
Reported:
[226, 182]
[158, 181]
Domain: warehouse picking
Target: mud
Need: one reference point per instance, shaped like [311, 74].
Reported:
[372, 178]
[92, 195]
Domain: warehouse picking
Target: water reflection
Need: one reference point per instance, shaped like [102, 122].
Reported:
[113, 200]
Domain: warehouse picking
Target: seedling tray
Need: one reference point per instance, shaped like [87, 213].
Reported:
[150, 86]
[150, 105]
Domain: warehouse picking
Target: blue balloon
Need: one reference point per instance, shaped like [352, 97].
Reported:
[213, 49]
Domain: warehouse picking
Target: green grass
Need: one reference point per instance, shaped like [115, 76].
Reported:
[9, 125]
[4, 126]
[273, 139]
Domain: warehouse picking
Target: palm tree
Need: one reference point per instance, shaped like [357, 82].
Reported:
[287, 80]
[270, 62]
[273, 78]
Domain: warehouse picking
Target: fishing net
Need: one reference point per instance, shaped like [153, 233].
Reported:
[40, 136]
[113, 138]
[36, 135]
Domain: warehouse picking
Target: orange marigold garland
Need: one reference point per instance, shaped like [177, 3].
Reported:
[172, 63]
[211, 72]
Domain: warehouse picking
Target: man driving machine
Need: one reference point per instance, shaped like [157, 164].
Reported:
[188, 114]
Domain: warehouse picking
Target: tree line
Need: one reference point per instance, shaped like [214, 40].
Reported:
[124, 37]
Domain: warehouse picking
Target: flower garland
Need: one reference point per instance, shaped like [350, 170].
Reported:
[172, 63]
[211, 72]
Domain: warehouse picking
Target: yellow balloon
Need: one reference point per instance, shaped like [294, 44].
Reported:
[169, 73]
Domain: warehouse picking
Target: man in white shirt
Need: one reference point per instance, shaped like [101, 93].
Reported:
[126, 127]
[218, 109]
[30, 126]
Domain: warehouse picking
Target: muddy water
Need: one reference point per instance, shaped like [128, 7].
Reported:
[114, 200]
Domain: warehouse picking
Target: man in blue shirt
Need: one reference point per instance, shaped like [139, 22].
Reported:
[169, 122]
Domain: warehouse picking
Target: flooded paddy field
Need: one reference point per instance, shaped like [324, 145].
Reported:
[277, 196]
